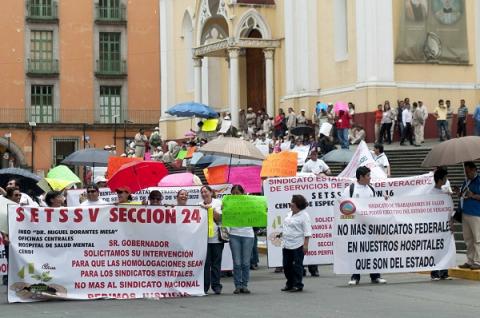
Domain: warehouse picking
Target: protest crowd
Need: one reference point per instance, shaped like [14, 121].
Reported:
[134, 183]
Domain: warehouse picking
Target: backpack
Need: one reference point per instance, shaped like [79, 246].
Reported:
[352, 188]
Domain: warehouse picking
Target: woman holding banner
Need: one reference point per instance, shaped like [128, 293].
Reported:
[182, 197]
[213, 262]
[241, 244]
[296, 232]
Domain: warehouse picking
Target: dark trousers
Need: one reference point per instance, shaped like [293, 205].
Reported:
[213, 266]
[443, 273]
[461, 127]
[293, 267]
[312, 269]
[372, 276]
[385, 130]
[407, 133]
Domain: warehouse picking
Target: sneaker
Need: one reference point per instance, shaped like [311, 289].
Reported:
[245, 290]
[237, 291]
[465, 266]
[379, 281]
[435, 279]
[286, 288]
[353, 282]
[475, 267]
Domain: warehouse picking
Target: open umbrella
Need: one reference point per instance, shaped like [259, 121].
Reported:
[222, 160]
[192, 109]
[302, 130]
[338, 155]
[64, 173]
[88, 157]
[453, 151]
[340, 106]
[183, 179]
[233, 147]
[138, 175]
[28, 181]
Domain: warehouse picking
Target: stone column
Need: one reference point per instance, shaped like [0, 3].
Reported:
[197, 70]
[234, 84]
[270, 82]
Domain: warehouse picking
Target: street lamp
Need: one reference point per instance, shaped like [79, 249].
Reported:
[32, 125]
[125, 122]
[115, 130]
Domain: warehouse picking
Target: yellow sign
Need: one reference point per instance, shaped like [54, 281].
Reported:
[210, 125]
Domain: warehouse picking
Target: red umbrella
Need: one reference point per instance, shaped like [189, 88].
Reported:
[138, 175]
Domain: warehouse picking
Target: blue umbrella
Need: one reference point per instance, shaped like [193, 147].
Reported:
[192, 109]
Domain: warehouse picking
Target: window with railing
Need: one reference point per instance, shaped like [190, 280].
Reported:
[111, 10]
[110, 104]
[41, 104]
[41, 53]
[110, 61]
[41, 9]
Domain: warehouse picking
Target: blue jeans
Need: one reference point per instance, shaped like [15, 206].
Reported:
[442, 125]
[241, 252]
[342, 135]
[254, 259]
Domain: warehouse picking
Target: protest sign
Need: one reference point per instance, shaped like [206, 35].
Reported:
[244, 210]
[325, 129]
[190, 152]
[169, 194]
[119, 252]
[321, 193]
[302, 152]
[226, 124]
[3, 258]
[216, 175]
[363, 157]
[210, 125]
[248, 177]
[282, 164]
[404, 234]
[181, 154]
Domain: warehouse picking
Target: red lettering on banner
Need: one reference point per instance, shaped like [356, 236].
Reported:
[78, 215]
[63, 216]
[49, 212]
[20, 215]
[34, 215]
[93, 213]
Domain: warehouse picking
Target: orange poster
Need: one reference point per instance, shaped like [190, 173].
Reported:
[282, 164]
[114, 163]
[216, 175]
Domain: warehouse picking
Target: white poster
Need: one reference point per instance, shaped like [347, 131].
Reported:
[363, 157]
[302, 152]
[411, 234]
[321, 193]
[169, 194]
[120, 252]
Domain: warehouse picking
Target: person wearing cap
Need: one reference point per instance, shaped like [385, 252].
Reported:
[301, 120]
[93, 196]
[100, 181]
[140, 143]
[155, 139]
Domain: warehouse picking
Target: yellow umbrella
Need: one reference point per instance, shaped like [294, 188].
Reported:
[59, 184]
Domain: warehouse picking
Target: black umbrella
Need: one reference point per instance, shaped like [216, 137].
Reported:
[302, 130]
[88, 157]
[28, 181]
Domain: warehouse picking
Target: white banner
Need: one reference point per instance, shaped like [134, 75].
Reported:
[120, 252]
[363, 157]
[3, 258]
[375, 235]
[169, 194]
[321, 193]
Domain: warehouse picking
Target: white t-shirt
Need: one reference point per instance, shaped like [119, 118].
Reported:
[217, 206]
[296, 227]
[25, 199]
[316, 167]
[382, 161]
[434, 190]
[359, 191]
[100, 201]
[242, 231]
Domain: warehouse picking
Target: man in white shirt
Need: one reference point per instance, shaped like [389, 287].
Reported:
[315, 165]
[440, 178]
[362, 189]
[301, 119]
[424, 112]
[25, 200]
[407, 124]
[93, 196]
[381, 159]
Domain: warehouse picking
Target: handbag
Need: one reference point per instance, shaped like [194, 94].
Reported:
[223, 235]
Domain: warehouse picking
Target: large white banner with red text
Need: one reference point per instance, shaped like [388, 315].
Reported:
[120, 252]
[321, 193]
[402, 234]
